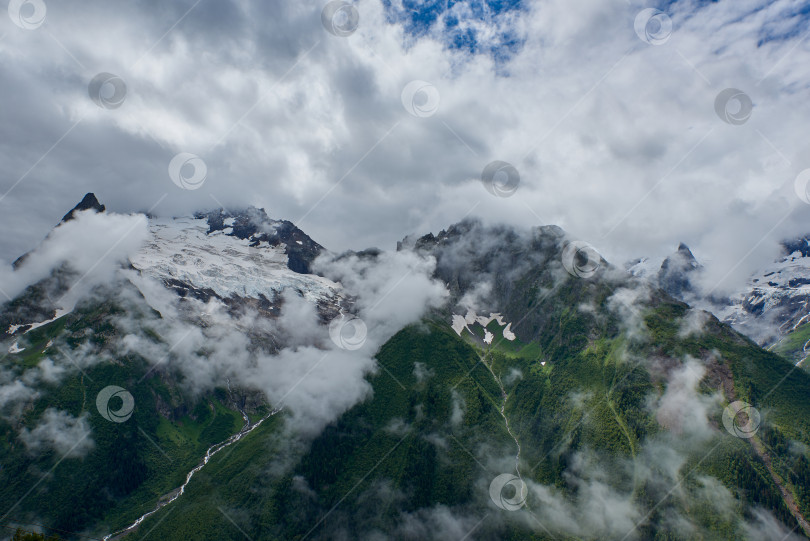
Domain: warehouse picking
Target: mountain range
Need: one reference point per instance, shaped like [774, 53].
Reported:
[224, 376]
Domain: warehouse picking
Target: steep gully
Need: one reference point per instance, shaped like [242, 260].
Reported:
[213, 450]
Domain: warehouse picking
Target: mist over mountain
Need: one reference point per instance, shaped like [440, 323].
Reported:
[404, 270]
[770, 308]
[633, 158]
[383, 393]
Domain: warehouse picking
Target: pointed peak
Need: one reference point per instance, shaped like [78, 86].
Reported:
[682, 256]
[674, 274]
[87, 203]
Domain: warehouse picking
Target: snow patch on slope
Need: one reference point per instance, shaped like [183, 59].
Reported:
[59, 313]
[459, 323]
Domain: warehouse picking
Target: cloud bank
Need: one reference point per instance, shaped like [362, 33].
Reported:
[615, 139]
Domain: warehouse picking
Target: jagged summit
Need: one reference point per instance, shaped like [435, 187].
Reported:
[475, 227]
[254, 225]
[513, 264]
[675, 271]
[89, 202]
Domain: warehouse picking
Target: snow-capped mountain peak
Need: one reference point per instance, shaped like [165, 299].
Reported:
[238, 257]
[221, 255]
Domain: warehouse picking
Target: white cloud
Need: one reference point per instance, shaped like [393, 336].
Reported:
[294, 363]
[58, 430]
[93, 245]
[51, 372]
[597, 508]
[683, 409]
[459, 408]
[628, 304]
[616, 140]
[766, 527]
[13, 394]
[393, 289]
[693, 323]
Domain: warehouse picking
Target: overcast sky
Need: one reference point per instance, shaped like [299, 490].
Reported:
[611, 123]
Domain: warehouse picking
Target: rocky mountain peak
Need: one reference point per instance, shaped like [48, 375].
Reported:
[675, 271]
[89, 202]
[254, 225]
[801, 245]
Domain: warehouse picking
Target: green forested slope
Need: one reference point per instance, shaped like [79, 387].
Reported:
[131, 464]
[400, 453]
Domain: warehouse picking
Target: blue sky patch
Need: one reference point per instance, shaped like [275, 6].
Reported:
[455, 22]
